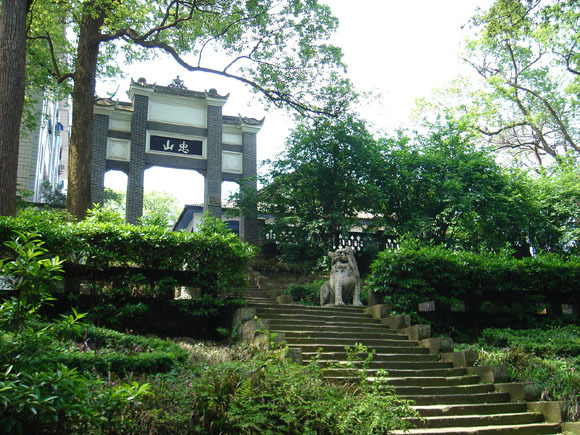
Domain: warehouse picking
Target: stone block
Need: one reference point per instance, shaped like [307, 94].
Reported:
[261, 281]
[519, 391]
[399, 321]
[464, 358]
[552, 410]
[374, 298]
[252, 328]
[378, 311]
[437, 345]
[418, 332]
[274, 292]
[242, 315]
[426, 306]
[284, 299]
[573, 427]
[294, 355]
[277, 339]
[489, 374]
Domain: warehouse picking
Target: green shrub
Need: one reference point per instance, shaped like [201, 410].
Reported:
[61, 400]
[216, 255]
[305, 294]
[415, 274]
[42, 396]
[549, 358]
[560, 342]
[267, 394]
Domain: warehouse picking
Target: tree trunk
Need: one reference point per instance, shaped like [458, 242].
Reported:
[80, 148]
[12, 69]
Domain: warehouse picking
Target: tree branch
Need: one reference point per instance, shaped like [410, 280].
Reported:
[225, 31]
[555, 116]
[276, 97]
[56, 73]
[501, 130]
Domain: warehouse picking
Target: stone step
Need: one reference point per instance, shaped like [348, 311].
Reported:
[470, 409]
[385, 360]
[427, 373]
[518, 418]
[313, 328]
[524, 429]
[296, 324]
[460, 399]
[370, 343]
[252, 302]
[389, 366]
[314, 311]
[385, 355]
[257, 299]
[418, 382]
[443, 390]
[351, 335]
[351, 320]
[339, 348]
[433, 381]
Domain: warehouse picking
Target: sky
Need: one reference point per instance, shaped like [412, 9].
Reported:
[397, 50]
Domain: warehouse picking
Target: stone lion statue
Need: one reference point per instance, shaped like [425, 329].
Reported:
[344, 279]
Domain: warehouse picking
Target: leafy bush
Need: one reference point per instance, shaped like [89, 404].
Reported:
[266, 394]
[105, 350]
[199, 317]
[561, 342]
[30, 275]
[414, 274]
[548, 357]
[305, 294]
[216, 255]
[61, 400]
[38, 395]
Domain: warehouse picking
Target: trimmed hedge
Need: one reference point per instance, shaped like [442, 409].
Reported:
[217, 257]
[474, 282]
[106, 350]
[560, 342]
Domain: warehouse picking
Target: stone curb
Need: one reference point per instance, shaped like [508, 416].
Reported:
[437, 345]
[379, 311]
[552, 410]
[489, 374]
[398, 321]
[417, 332]
[519, 391]
[461, 359]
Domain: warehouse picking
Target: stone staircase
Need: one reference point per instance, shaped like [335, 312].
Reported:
[451, 397]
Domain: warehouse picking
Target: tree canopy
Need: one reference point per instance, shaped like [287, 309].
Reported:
[528, 54]
[323, 179]
[278, 48]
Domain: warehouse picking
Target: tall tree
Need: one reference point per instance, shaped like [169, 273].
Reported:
[439, 187]
[277, 47]
[12, 66]
[528, 53]
[323, 180]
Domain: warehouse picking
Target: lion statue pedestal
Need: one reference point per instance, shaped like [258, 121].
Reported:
[344, 281]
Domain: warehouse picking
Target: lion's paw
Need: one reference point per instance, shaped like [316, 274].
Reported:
[339, 303]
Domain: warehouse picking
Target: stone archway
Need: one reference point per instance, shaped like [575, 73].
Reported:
[171, 126]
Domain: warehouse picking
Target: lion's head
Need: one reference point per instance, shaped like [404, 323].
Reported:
[341, 255]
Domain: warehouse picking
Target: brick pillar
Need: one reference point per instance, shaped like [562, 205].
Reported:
[213, 178]
[249, 222]
[137, 160]
[99, 157]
